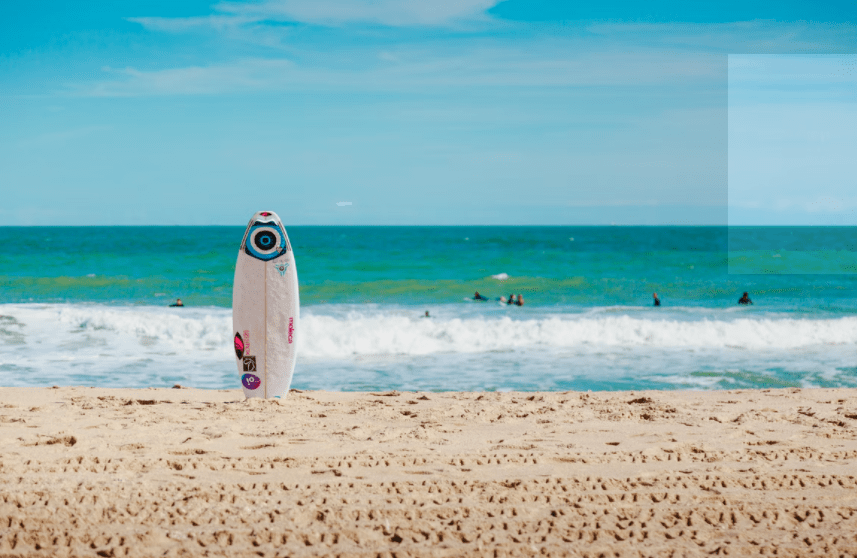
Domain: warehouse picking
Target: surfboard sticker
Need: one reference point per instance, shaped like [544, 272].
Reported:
[250, 381]
[265, 239]
[239, 345]
[265, 302]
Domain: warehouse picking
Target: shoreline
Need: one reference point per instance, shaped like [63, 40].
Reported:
[180, 472]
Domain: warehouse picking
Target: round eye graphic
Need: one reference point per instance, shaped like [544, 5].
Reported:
[265, 241]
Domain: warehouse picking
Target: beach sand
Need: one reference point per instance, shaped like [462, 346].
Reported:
[184, 472]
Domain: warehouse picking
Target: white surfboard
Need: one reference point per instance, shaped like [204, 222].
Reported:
[265, 308]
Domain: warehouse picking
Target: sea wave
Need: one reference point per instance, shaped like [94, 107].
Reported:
[358, 333]
[465, 346]
[329, 336]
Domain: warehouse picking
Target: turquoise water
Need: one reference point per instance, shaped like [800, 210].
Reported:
[91, 302]
[582, 266]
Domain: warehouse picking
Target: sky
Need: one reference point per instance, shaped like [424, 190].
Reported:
[465, 112]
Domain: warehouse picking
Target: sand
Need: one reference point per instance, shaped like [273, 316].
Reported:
[183, 472]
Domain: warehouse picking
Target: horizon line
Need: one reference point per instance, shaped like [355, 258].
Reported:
[459, 225]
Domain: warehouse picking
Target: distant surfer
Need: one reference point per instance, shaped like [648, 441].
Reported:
[478, 296]
[427, 315]
[511, 299]
[745, 299]
[178, 303]
[520, 301]
[657, 300]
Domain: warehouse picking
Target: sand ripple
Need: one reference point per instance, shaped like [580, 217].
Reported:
[100, 472]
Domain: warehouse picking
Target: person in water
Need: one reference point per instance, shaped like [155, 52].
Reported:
[178, 303]
[520, 301]
[657, 300]
[745, 299]
[478, 296]
[427, 315]
[511, 299]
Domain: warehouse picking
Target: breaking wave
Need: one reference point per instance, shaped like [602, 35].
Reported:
[135, 346]
[355, 333]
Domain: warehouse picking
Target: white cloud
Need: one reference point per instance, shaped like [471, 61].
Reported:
[771, 78]
[808, 205]
[182, 24]
[603, 54]
[385, 12]
[392, 13]
[248, 75]
[64, 136]
[751, 37]
[543, 64]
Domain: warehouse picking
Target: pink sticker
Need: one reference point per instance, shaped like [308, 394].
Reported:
[239, 345]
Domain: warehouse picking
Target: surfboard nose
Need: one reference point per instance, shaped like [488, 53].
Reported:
[265, 217]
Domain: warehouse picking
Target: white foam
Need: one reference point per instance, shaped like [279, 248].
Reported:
[115, 346]
[327, 336]
[397, 332]
[128, 346]
[500, 276]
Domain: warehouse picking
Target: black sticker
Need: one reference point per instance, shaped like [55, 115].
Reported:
[249, 364]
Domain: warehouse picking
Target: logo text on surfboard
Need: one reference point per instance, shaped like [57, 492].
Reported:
[291, 328]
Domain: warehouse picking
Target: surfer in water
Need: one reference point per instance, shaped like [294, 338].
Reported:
[511, 299]
[745, 299]
[178, 303]
[478, 296]
[657, 300]
[520, 301]
[427, 315]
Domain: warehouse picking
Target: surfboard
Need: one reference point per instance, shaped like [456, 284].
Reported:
[265, 308]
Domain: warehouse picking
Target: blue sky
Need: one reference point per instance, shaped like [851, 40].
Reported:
[445, 112]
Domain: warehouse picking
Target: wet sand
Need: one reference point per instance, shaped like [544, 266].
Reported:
[183, 472]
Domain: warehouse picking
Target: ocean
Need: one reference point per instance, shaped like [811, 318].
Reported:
[89, 306]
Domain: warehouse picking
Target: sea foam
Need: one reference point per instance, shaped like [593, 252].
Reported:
[138, 346]
[354, 333]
